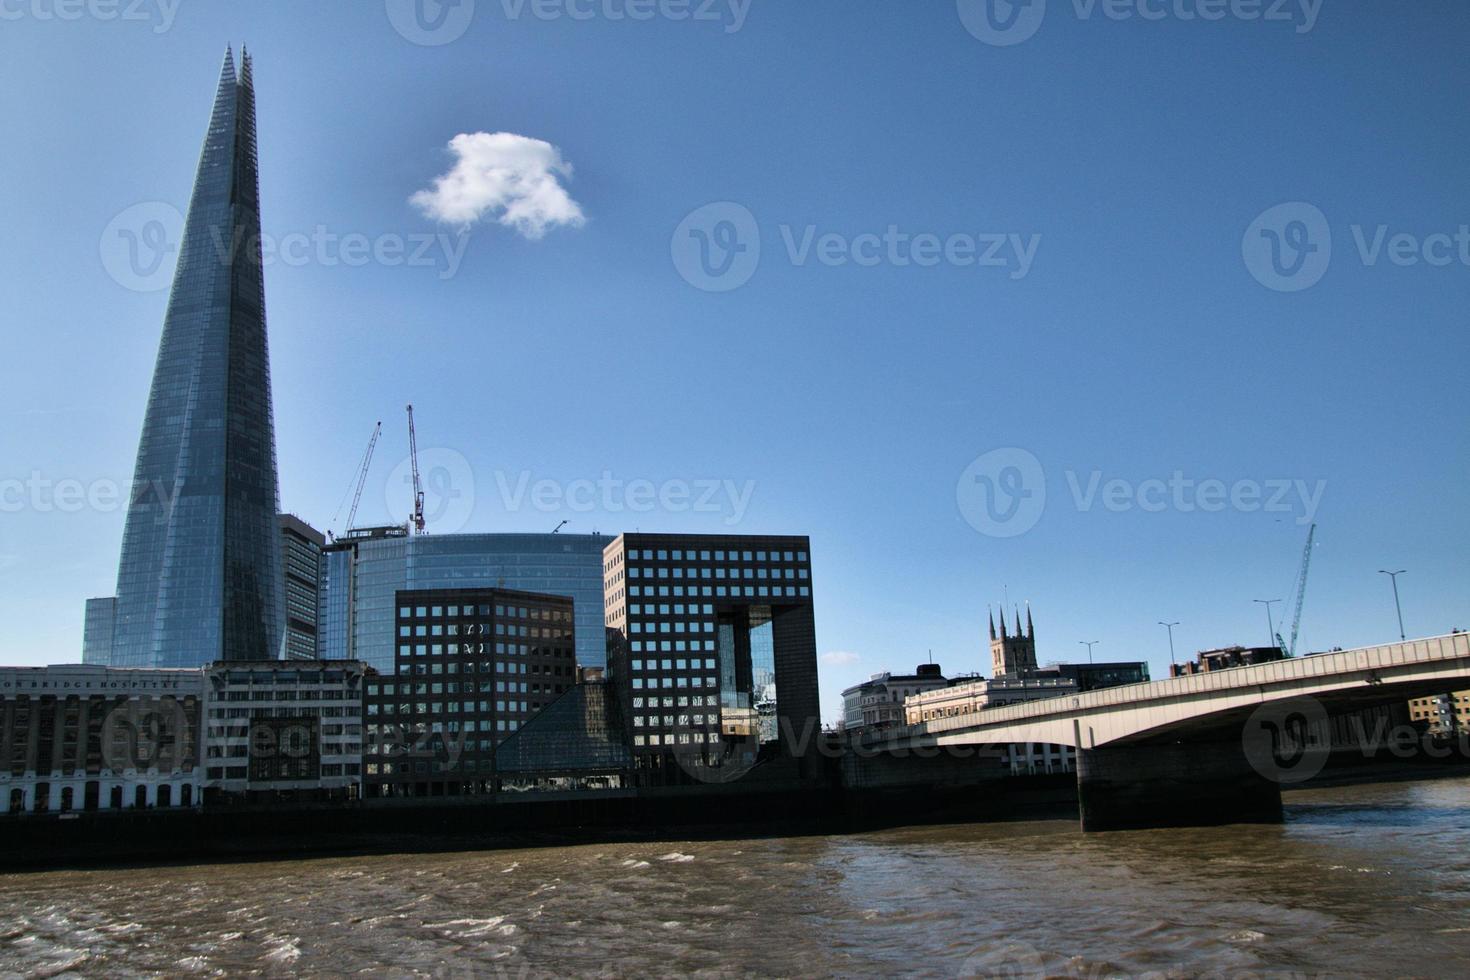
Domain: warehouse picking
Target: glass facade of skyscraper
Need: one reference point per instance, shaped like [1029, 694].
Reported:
[199, 578]
[361, 578]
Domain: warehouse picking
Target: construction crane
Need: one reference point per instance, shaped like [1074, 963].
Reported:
[418, 488]
[359, 479]
[1301, 594]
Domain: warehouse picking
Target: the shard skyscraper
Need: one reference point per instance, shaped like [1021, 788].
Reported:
[199, 578]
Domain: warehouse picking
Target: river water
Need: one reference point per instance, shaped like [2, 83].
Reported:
[1360, 881]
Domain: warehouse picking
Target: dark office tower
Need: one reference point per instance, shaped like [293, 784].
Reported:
[712, 645]
[301, 556]
[200, 575]
[471, 667]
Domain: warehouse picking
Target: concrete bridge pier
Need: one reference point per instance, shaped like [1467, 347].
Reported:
[1190, 785]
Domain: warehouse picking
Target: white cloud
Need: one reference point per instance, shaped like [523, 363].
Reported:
[840, 658]
[514, 179]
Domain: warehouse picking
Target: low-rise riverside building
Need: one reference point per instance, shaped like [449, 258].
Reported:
[80, 737]
[878, 701]
[977, 695]
[281, 729]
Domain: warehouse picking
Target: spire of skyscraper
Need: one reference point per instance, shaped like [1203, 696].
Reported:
[199, 575]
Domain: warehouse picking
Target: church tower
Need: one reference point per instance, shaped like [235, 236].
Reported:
[1012, 652]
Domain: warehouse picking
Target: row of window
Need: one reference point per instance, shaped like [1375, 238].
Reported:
[456, 707]
[243, 731]
[281, 712]
[438, 667]
[707, 626]
[480, 649]
[680, 571]
[668, 721]
[674, 646]
[330, 770]
[707, 664]
[654, 683]
[515, 612]
[683, 738]
[387, 740]
[482, 629]
[468, 687]
[721, 591]
[677, 609]
[684, 701]
[660, 554]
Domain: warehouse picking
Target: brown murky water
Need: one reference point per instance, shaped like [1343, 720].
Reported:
[1361, 881]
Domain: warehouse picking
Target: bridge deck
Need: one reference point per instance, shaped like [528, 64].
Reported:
[1281, 674]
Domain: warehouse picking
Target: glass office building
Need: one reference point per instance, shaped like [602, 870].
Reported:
[361, 576]
[199, 578]
[97, 631]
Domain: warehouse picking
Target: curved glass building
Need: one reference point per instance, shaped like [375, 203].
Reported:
[363, 572]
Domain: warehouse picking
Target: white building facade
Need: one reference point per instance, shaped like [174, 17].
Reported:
[284, 727]
[85, 737]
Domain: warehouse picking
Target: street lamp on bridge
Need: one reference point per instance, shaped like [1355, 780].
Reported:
[1394, 577]
[1089, 644]
[1170, 628]
[1270, 626]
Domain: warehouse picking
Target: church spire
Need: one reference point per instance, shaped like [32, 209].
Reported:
[990, 614]
[1030, 628]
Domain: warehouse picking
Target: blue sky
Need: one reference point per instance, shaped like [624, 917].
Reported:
[852, 390]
